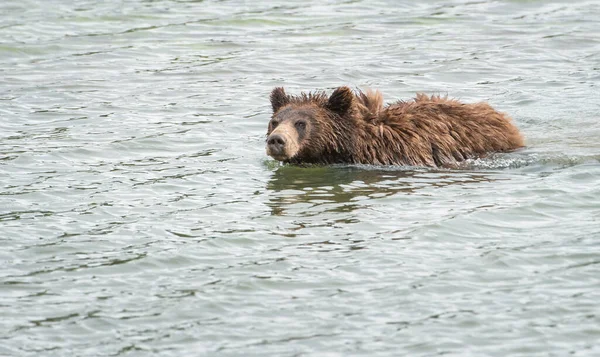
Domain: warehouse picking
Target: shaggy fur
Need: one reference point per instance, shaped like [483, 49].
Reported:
[358, 129]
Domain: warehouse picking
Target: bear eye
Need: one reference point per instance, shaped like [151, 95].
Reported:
[274, 124]
[301, 125]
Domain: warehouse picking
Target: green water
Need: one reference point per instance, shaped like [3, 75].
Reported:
[139, 214]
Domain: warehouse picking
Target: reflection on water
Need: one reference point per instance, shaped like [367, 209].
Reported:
[345, 188]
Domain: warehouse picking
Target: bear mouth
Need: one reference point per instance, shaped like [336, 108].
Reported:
[283, 158]
[279, 155]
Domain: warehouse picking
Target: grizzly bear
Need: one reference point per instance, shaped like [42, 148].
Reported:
[358, 129]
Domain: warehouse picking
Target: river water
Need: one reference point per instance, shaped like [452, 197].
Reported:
[139, 214]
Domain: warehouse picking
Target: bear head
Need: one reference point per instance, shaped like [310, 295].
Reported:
[311, 128]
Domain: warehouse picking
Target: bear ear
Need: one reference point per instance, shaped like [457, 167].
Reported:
[278, 98]
[340, 100]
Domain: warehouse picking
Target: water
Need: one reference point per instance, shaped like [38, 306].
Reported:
[139, 214]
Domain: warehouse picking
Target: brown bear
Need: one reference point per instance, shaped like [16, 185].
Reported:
[358, 129]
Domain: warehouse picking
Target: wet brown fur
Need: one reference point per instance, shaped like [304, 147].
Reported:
[427, 131]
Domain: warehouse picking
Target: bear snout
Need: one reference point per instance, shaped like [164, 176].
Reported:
[276, 144]
[282, 144]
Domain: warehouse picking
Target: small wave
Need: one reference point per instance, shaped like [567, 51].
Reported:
[528, 160]
[497, 161]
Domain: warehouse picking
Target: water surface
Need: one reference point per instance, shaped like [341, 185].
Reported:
[139, 214]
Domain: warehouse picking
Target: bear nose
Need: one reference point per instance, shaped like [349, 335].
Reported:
[276, 142]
